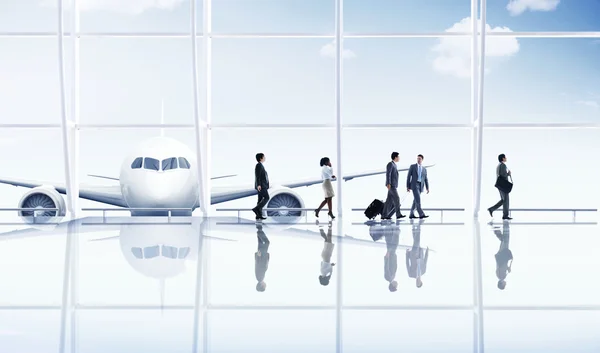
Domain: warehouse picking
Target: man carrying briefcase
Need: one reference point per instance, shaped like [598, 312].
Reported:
[504, 187]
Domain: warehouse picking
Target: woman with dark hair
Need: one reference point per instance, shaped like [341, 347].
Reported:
[327, 176]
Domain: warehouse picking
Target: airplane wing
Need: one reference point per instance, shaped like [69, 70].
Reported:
[229, 195]
[110, 195]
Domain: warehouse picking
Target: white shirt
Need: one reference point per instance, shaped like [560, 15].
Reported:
[326, 172]
[326, 268]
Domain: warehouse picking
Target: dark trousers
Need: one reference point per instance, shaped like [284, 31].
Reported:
[392, 204]
[263, 198]
[504, 202]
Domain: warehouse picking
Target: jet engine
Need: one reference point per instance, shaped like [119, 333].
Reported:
[42, 197]
[284, 198]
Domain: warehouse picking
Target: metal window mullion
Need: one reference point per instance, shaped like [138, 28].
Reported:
[197, 123]
[479, 126]
[207, 70]
[474, 103]
[338, 103]
[63, 109]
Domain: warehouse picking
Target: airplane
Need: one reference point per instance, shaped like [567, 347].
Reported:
[159, 173]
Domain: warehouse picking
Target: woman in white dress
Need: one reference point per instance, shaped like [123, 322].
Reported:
[327, 176]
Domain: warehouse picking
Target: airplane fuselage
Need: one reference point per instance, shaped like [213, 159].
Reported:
[160, 173]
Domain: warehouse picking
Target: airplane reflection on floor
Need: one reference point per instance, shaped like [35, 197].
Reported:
[161, 251]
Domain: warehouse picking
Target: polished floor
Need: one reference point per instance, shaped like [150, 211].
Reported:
[125, 285]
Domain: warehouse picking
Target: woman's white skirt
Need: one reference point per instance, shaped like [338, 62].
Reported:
[328, 188]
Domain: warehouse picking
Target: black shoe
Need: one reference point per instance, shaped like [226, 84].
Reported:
[491, 212]
[412, 216]
[331, 215]
[507, 218]
[401, 216]
[317, 213]
[424, 216]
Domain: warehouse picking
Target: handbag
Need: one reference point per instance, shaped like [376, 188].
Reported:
[504, 185]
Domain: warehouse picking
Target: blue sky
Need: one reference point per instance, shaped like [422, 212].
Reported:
[422, 80]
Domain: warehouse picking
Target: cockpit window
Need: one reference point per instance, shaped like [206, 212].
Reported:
[169, 251]
[151, 251]
[183, 252]
[137, 163]
[183, 163]
[151, 163]
[169, 163]
[137, 252]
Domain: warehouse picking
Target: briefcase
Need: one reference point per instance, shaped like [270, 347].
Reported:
[504, 185]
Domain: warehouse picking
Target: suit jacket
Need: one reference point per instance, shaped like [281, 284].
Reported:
[261, 177]
[415, 258]
[390, 261]
[261, 262]
[502, 171]
[391, 175]
[413, 177]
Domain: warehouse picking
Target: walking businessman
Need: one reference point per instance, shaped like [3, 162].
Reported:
[416, 178]
[392, 202]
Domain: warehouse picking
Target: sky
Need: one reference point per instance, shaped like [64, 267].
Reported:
[262, 81]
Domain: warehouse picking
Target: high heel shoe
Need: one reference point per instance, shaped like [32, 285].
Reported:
[331, 215]
[317, 213]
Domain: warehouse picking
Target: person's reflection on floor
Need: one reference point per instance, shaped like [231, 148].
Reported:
[326, 265]
[390, 261]
[504, 255]
[261, 258]
[416, 257]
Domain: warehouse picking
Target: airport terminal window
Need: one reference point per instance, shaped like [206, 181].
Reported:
[169, 163]
[169, 251]
[183, 163]
[137, 163]
[151, 163]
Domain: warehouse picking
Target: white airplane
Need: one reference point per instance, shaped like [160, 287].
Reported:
[161, 172]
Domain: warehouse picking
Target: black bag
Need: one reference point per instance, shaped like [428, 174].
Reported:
[504, 185]
[374, 209]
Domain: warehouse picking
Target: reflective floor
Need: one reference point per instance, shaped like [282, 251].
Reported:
[223, 285]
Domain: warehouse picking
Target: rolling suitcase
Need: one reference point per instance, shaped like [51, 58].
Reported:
[374, 209]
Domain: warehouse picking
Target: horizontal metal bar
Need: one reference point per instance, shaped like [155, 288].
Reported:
[270, 209]
[313, 307]
[133, 126]
[28, 209]
[138, 209]
[576, 223]
[187, 34]
[554, 209]
[29, 126]
[424, 224]
[487, 126]
[424, 209]
[408, 126]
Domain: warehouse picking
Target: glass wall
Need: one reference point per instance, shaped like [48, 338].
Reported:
[268, 70]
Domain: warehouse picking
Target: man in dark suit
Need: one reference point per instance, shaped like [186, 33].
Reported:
[261, 258]
[392, 201]
[502, 172]
[416, 178]
[261, 184]
[390, 261]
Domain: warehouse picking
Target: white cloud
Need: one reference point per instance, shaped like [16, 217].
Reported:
[328, 50]
[517, 7]
[454, 53]
[131, 7]
[592, 104]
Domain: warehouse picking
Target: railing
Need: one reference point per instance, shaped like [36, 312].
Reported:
[19, 209]
[440, 210]
[572, 210]
[104, 210]
[240, 210]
